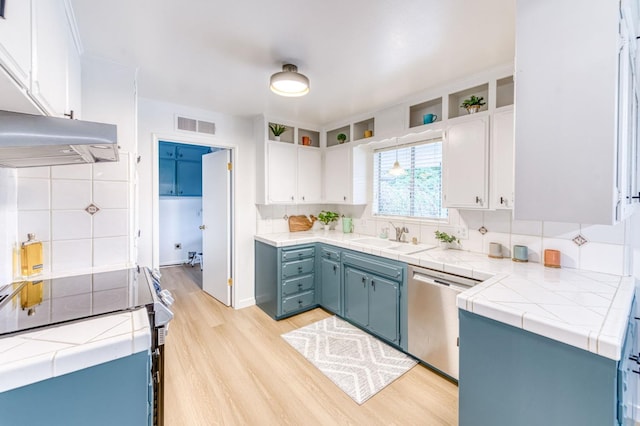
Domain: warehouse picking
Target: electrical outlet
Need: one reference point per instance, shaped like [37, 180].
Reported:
[462, 232]
[177, 246]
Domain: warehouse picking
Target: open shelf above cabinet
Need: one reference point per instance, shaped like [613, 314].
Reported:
[364, 129]
[332, 135]
[308, 138]
[418, 112]
[504, 92]
[287, 136]
[456, 99]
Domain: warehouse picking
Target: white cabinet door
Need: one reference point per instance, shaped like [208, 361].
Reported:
[502, 143]
[309, 175]
[74, 78]
[566, 156]
[465, 163]
[49, 76]
[281, 171]
[337, 175]
[15, 40]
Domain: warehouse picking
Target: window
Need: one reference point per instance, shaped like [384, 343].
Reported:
[416, 194]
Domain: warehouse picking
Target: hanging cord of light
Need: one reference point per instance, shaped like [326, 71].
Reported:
[397, 169]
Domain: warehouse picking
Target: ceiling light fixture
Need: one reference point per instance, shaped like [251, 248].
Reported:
[289, 82]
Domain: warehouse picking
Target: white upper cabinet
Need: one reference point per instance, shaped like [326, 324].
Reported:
[309, 177]
[56, 66]
[502, 144]
[466, 162]
[568, 155]
[345, 174]
[294, 174]
[281, 173]
[15, 40]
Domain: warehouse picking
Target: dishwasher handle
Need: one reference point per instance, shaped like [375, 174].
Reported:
[452, 284]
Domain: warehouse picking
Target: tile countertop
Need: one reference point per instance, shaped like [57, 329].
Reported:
[53, 351]
[588, 310]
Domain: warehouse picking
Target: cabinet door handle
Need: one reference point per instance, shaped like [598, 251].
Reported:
[364, 281]
[373, 284]
[502, 200]
[299, 285]
[478, 200]
[292, 198]
[345, 198]
[303, 198]
[335, 268]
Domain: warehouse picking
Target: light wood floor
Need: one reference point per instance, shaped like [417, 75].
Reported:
[231, 367]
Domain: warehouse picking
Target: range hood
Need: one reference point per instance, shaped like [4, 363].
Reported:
[34, 140]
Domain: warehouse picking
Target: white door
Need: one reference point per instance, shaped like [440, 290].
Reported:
[465, 164]
[216, 225]
[337, 175]
[282, 173]
[502, 144]
[309, 175]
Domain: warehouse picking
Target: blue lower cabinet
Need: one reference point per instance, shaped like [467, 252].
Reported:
[113, 393]
[365, 289]
[509, 376]
[331, 291]
[384, 313]
[373, 298]
[356, 297]
[285, 279]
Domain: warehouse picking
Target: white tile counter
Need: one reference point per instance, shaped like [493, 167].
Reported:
[588, 310]
[53, 351]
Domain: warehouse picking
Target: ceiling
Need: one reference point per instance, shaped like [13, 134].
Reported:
[359, 55]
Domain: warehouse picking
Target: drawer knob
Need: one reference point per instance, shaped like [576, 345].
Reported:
[299, 302]
[299, 268]
[299, 285]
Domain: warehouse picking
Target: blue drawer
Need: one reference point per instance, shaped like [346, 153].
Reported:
[298, 267]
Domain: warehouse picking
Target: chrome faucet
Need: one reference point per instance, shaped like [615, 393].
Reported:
[400, 231]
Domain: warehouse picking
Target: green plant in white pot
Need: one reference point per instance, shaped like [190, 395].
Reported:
[327, 218]
[277, 130]
[446, 240]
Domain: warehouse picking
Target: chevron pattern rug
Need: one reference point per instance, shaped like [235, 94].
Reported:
[355, 361]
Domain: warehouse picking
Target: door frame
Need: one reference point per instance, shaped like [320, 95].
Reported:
[155, 211]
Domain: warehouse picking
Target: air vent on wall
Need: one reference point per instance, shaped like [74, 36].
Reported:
[193, 125]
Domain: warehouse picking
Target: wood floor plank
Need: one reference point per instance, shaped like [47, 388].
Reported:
[231, 367]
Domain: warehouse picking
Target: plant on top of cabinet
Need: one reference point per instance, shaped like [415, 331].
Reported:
[277, 130]
[341, 138]
[473, 104]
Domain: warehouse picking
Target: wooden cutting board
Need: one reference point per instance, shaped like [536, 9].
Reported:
[300, 223]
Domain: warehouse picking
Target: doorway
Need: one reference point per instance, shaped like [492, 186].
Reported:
[195, 211]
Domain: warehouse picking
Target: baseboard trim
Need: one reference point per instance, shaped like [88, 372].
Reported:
[245, 303]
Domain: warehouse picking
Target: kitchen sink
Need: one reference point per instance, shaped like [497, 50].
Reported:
[410, 248]
[389, 245]
[376, 242]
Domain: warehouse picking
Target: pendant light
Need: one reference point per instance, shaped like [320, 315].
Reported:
[289, 82]
[397, 169]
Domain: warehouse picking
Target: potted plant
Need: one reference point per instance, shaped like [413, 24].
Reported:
[446, 240]
[341, 138]
[277, 130]
[327, 217]
[473, 104]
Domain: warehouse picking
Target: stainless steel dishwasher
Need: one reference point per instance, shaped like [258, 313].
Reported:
[433, 317]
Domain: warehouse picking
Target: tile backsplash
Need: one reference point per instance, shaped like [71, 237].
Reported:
[8, 220]
[55, 204]
[604, 250]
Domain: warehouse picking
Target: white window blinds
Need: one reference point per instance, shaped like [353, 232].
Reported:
[418, 193]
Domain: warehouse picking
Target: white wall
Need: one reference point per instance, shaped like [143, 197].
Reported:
[156, 121]
[8, 223]
[180, 218]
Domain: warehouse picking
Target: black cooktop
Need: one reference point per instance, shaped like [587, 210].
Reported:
[26, 305]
